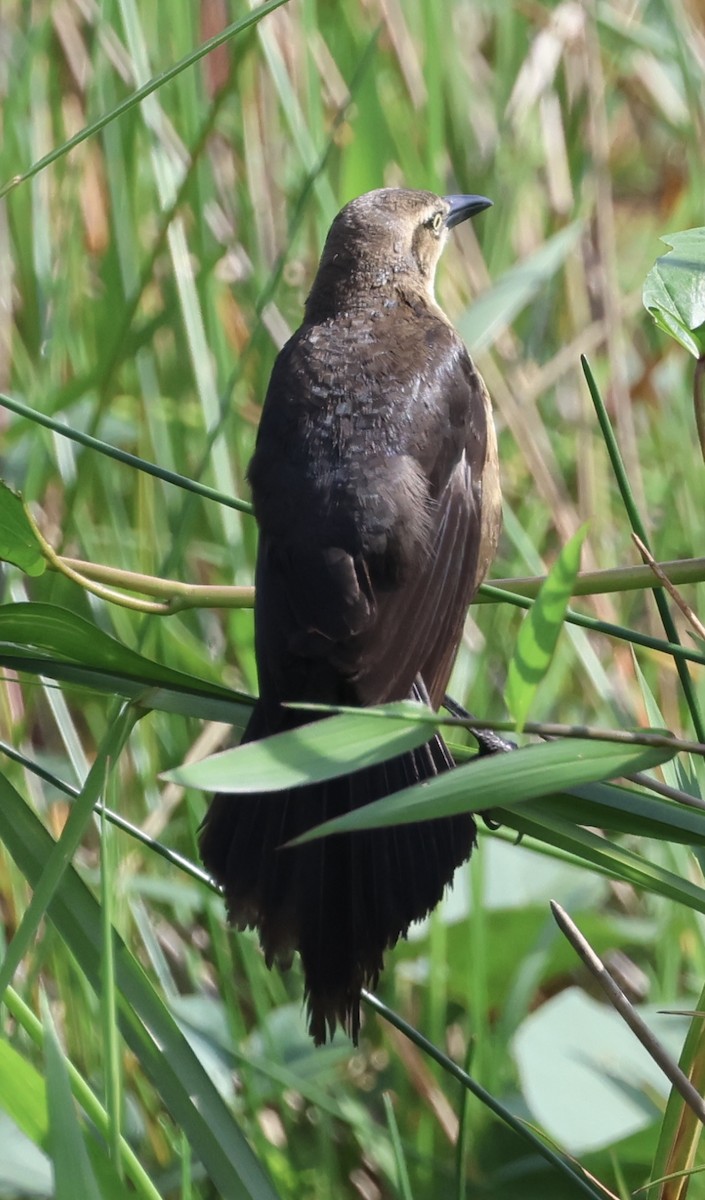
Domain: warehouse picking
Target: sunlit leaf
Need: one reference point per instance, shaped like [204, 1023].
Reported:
[72, 649]
[500, 780]
[540, 629]
[18, 543]
[23, 1094]
[674, 291]
[318, 750]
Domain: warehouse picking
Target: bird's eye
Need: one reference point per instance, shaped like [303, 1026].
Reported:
[437, 222]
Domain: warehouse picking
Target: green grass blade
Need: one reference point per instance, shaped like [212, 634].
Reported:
[561, 1165]
[639, 528]
[62, 852]
[147, 89]
[316, 751]
[23, 1095]
[494, 594]
[498, 307]
[403, 1182]
[122, 456]
[540, 630]
[187, 703]
[88, 655]
[108, 993]
[681, 1130]
[622, 810]
[607, 856]
[498, 782]
[146, 1024]
[73, 1173]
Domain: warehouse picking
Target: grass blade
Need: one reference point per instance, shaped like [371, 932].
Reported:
[501, 781]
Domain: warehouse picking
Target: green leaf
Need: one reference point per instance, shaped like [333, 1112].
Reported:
[65, 847]
[313, 752]
[602, 854]
[539, 631]
[22, 1094]
[18, 543]
[674, 290]
[622, 810]
[561, 1051]
[501, 780]
[87, 656]
[73, 1174]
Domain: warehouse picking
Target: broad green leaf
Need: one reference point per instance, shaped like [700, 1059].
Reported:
[18, 543]
[501, 780]
[674, 290]
[73, 1174]
[540, 629]
[316, 751]
[146, 1024]
[585, 1082]
[72, 649]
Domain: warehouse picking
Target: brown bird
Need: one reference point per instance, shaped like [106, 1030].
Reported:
[376, 491]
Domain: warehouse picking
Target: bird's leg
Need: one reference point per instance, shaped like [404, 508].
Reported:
[488, 742]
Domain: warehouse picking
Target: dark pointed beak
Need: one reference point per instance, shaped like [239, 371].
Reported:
[462, 207]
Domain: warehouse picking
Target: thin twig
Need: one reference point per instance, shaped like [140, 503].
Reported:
[668, 585]
[597, 583]
[629, 1014]
[176, 594]
[664, 789]
[589, 733]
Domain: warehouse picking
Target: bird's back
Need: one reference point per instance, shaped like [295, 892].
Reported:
[367, 483]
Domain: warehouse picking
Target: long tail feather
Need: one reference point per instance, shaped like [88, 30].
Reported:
[343, 900]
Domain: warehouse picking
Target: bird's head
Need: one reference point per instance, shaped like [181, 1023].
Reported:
[387, 237]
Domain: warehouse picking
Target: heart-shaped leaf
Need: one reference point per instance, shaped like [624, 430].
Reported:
[674, 291]
[18, 542]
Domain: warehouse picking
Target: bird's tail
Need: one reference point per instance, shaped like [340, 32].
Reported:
[340, 901]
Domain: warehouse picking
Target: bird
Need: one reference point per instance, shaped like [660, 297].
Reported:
[375, 486]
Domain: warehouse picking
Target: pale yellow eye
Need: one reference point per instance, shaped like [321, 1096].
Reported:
[437, 222]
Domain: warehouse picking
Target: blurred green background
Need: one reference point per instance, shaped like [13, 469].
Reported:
[147, 279]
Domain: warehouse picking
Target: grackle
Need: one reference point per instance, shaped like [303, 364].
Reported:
[376, 491]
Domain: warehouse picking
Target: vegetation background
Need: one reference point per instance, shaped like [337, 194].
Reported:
[147, 278]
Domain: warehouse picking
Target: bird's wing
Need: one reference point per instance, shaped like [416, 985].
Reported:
[417, 627]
